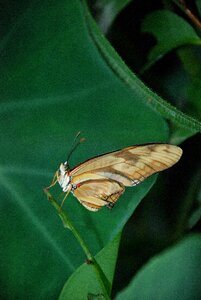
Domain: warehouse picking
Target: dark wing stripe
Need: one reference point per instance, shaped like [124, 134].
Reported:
[136, 171]
[148, 162]
[149, 166]
[158, 161]
[140, 179]
[163, 156]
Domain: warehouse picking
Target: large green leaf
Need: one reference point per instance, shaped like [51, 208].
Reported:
[54, 82]
[174, 274]
[85, 277]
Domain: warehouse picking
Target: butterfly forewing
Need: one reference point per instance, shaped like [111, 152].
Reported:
[128, 166]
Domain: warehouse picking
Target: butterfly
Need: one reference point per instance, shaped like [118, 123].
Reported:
[101, 180]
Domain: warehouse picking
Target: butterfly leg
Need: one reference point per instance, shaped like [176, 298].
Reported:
[67, 193]
[54, 181]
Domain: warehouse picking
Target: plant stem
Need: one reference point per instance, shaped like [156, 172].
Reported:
[105, 285]
[188, 12]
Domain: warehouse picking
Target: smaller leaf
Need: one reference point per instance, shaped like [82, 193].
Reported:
[170, 30]
[174, 274]
[85, 283]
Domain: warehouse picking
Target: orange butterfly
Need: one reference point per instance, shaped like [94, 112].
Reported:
[101, 180]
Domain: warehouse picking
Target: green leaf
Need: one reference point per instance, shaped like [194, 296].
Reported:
[170, 30]
[174, 274]
[54, 82]
[85, 277]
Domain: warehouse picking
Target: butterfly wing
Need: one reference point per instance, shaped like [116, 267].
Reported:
[94, 194]
[130, 165]
[101, 180]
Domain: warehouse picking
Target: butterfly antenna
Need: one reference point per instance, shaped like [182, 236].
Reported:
[75, 144]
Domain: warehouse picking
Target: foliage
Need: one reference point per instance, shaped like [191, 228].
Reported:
[60, 75]
[164, 277]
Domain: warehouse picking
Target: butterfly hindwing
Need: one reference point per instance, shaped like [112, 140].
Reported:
[94, 194]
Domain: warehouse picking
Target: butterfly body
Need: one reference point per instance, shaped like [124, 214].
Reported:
[101, 180]
[63, 178]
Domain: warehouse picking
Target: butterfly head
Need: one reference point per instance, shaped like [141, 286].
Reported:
[63, 168]
[62, 176]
